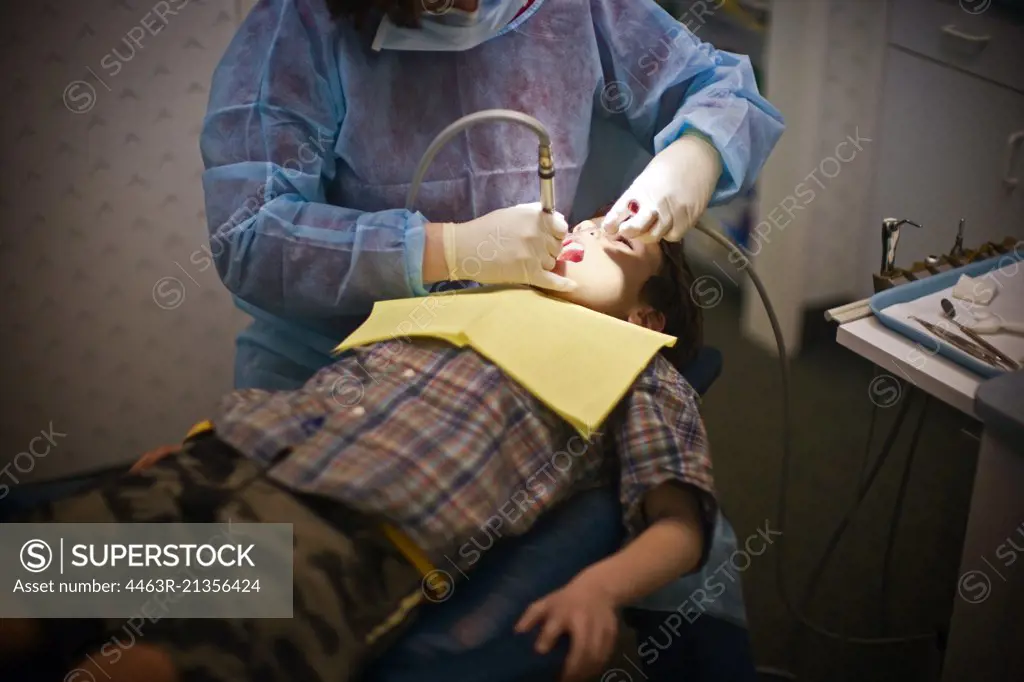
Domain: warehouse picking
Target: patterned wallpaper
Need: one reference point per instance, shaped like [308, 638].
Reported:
[118, 334]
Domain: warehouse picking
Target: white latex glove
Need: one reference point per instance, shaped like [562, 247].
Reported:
[516, 245]
[670, 194]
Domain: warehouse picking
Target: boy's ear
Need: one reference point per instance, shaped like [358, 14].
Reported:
[646, 316]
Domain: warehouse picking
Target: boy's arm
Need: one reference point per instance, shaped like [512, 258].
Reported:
[587, 608]
[666, 484]
[671, 546]
[667, 494]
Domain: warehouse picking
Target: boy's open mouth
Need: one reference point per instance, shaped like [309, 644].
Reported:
[619, 239]
[572, 251]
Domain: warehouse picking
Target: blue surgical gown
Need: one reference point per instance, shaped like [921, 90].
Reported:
[312, 138]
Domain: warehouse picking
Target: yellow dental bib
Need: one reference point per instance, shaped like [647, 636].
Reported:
[578, 362]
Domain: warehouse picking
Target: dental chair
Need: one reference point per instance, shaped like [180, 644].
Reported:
[469, 637]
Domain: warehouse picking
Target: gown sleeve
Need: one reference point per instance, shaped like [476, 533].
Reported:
[268, 147]
[665, 82]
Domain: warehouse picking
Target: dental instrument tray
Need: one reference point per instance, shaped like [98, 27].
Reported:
[897, 307]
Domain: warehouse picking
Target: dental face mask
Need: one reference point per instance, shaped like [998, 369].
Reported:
[452, 30]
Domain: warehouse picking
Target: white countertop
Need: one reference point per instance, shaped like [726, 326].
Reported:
[908, 361]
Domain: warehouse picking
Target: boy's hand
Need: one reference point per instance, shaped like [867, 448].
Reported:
[584, 612]
[152, 457]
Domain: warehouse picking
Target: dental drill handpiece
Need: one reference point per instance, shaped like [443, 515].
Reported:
[546, 172]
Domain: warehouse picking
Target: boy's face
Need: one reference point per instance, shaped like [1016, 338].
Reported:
[612, 274]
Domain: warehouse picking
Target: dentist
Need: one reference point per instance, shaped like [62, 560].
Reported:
[321, 109]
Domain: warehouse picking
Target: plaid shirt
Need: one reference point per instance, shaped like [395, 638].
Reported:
[438, 441]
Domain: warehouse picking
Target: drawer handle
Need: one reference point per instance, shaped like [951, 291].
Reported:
[977, 42]
[1013, 146]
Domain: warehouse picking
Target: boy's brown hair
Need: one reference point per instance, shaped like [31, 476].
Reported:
[670, 293]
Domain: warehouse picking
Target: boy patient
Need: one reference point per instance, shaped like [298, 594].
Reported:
[436, 444]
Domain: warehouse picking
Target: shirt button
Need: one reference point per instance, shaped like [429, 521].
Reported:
[408, 374]
[358, 411]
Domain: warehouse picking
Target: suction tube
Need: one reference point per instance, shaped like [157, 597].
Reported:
[545, 162]
[787, 425]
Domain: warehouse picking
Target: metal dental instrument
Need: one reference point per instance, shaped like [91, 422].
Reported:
[545, 163]
[961, 343]
[958, 247]
[976, 337]
[975, 331]
[948, 308]
[890, 238]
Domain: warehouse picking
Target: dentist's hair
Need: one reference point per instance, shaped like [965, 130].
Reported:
[405, 13]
